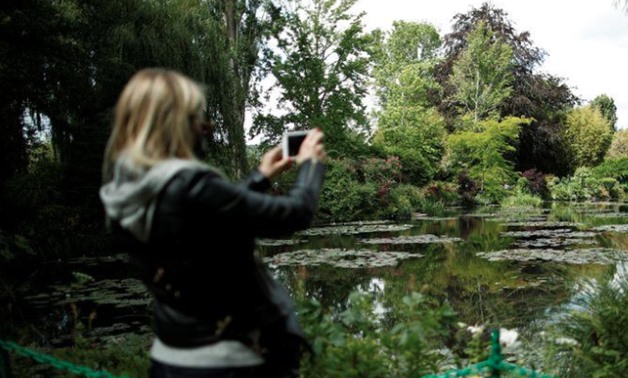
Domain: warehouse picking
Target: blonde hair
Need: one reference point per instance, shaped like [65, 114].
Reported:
[153, 119]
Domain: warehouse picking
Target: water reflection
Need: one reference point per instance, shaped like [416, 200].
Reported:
[508, 268]
[449, 259]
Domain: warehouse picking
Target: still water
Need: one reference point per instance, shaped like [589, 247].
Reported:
[507, 268]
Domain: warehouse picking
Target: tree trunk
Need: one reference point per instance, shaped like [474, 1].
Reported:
[13, 157]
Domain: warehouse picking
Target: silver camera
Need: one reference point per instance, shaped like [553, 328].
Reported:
[292, 142]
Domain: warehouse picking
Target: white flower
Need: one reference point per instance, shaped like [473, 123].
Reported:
[566, 341]
[507, 337]
[475, 329]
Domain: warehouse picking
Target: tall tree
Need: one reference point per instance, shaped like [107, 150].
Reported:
[607, 106]
[320, 63]
[589, 136]
[542, 97]
[407, 125]
[64, 64]
[481, 76]
[247, 24]
[619, 145]
[407, 44]
[32, 36]
[483, 153]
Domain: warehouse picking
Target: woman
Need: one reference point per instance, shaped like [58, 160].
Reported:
[191, 233]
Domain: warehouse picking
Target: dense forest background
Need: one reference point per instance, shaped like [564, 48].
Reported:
[461, 118]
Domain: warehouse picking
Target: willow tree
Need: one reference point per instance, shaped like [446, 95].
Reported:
[216, 42]
[243, 26]
[63, 65]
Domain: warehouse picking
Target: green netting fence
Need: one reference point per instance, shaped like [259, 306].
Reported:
[49, 360]
[494, 366]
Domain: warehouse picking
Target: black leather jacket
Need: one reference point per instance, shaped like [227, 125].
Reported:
[200, 263]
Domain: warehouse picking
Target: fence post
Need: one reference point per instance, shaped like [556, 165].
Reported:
[5, 362]
[496, 354]
[5, 367]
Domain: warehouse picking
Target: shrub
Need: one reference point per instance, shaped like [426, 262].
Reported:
[467, 188]
[343, 196]
[580, 187]
[592, 341]
[522, 200]
[402, 202]
[441, 191]
[355, 343]
[615, 168]
[536, 183]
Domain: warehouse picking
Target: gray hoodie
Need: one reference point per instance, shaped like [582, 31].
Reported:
[130, 197]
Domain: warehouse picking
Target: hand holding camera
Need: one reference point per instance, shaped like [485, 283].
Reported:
[303, 145]
[297, 146]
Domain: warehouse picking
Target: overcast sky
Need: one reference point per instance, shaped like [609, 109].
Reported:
[586, 40]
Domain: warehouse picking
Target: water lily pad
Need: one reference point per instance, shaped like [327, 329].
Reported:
[99, 260]
[340, 258]
[352, 229]
[119, 293]
[612, 228]
[545, 224]
[576, 256]
[279, 242]
[553, 242]
[435, 219]
[550, 233]
[417, 239]
[609, 215]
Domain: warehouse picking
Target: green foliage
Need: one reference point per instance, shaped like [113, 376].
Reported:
[46, 223]
[619, 146]
[344, 197]
[608, 109]
[521, 200]
[588, 135]
[535, 183]
[366, 190]
[610, 189]
[481, 75]
[614, 168]
[415, 135]
[127, 356]
[445, 192]
[12, 246]
[436, 196]
[585, 186]
[319, 60]
[407, 127]
[356, 344]
[592, 340]
[482, 154]
[402, 201]
[403, 56]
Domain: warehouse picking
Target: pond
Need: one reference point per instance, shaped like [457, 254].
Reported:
[509, 268]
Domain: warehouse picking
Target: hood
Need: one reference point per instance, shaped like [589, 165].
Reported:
[130, 197]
